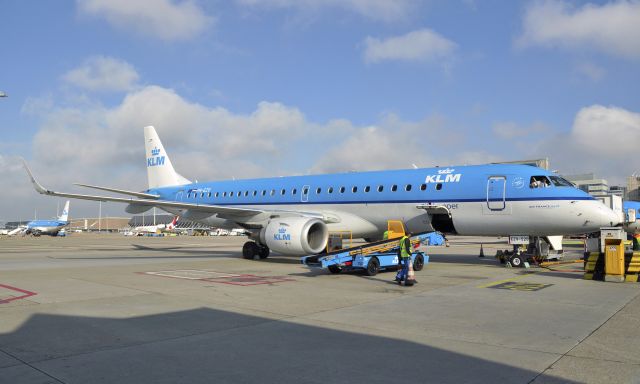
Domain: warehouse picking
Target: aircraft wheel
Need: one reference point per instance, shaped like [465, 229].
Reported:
[516, 261]
[418, 263]
[334, 269]
[250, 250]
[373, 267]
[263, 251]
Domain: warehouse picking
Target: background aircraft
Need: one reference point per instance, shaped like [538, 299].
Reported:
[141, 230]
[633, 218]
[294, 215]
[49, 227]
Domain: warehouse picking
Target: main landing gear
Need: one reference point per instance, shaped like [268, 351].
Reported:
[252, 250]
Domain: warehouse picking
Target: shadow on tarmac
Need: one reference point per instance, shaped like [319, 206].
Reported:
[213, 346]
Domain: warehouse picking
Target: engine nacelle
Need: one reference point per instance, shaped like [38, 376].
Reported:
[137, 208]
[295, 235]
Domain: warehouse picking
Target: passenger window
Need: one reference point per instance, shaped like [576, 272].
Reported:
[380, 188]
[342, 189]
[209, 194]
[255, 192]
[367, 188]
[231, 194]
[273, 192]
[407, 187]
[224, 194]
[394, 188]
[354, 189]
[305, 191]
[539, 182]
[283, 192]
[423, 187]
[318, 191]
[294, 191]
[201, 195]
[438, 186]
[246, 193]
[217, 194]
[330, 190]
[264, 192]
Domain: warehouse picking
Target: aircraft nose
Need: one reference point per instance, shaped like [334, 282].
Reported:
[606, 217]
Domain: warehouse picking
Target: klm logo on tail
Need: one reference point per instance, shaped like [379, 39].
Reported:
[155, 159]
[444, 176]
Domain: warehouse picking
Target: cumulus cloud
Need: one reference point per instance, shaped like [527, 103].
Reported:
[168, 20]
[420, 45]
[601, 140]
[612, 28]
[385, 10]
[100, 73]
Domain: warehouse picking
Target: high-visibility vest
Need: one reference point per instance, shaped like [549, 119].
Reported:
[404, 252]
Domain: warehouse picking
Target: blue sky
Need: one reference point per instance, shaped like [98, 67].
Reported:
[250, 88]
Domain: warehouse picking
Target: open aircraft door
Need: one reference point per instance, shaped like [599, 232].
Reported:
[496, 193]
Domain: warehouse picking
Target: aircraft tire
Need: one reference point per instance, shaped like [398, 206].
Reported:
[373, 267]
[418, 263]
[335, 269]
[250, 250]
[263, 251]
[516, 261]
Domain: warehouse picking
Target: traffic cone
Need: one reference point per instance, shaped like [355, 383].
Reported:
[481, 251]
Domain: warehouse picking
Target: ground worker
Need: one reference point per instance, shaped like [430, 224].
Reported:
[404, 256]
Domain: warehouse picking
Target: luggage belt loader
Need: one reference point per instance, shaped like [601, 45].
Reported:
[371, 257]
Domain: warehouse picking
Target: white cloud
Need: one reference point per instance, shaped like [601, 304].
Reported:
[591, 71]
[100, 73]
[609, 132]
[385, 10]
[601, 140]
[613, 28]
[420, 45]
[167, 20]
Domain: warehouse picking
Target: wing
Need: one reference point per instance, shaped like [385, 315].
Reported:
[204, 208]
[238, 214]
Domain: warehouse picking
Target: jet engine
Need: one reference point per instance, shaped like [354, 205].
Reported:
[295, 235]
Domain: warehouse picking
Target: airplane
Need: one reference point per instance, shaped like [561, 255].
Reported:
[632, 213]
[141, 230]
[49, 227]
[294, 215]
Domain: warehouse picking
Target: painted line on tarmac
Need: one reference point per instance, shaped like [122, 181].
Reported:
[25, 294]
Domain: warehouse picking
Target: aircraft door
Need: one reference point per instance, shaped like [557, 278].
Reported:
[304, 195]
[496, 193]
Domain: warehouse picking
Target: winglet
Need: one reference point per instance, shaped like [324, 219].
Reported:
[35, 183]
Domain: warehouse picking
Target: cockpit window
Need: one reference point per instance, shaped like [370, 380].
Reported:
[560, 182]
[539, 182]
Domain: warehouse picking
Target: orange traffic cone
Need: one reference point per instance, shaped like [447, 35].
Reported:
[411, 277]
[481, 251]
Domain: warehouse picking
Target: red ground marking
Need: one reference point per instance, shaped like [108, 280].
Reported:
[24, 296]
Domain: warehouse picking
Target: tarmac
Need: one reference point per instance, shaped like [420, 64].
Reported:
[104, 308]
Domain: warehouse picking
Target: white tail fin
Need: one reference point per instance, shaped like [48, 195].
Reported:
[160, 172]
[65, 212]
